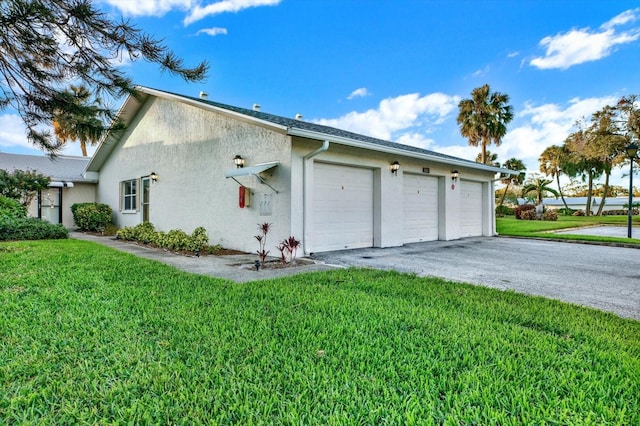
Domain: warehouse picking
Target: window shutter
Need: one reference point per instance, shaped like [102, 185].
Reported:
[137, 195]
[120, 195]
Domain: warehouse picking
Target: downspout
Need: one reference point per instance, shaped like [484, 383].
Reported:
[305, 200]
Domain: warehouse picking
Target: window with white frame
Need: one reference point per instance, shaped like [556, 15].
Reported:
[129, 194]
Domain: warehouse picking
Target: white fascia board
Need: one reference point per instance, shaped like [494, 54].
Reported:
[206, 106]
[127, 111]
[397, 151]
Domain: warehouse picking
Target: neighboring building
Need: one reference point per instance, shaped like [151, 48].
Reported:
[68, 185]
[174, 167]
[580, 203]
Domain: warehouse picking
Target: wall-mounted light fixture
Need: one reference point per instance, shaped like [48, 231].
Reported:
[454, 175]
[238, 161]
[395, 166]
[154, 176]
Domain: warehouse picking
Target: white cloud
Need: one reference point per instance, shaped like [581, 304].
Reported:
[625, 17]
[212, 31]
[194, 8]
[482, 71]
[359, 93]
[13, 131]
[513, 54]
[149, 7]
[538, 127]
[585, 45]
[198, 12]
[397, 114]
[13, 138]
[416, 139]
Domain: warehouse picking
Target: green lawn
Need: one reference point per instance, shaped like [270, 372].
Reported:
[509, 225]
[90, 335]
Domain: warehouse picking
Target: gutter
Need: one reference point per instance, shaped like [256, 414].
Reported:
[396, 151]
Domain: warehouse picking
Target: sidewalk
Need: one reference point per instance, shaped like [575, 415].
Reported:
[604, 231]
[238, 268]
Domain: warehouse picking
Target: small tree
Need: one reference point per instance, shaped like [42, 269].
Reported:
[516, 165]
[22, 185]
[551, 161]
[538, 187]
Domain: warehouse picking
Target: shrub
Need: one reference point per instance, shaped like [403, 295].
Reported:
[529, 215]
[504, 210]
[523, 208]
[199, 239]
[144, 232]
[550, 214]
[11, 209]
[578, 213]
[30, 229]
[91, 216]
[566, 211]
[175, 239]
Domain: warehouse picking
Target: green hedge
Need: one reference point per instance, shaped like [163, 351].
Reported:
[10, 208]
[15, 225]
[30, 229]
[91, 216]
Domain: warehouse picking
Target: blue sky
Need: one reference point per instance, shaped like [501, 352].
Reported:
[396, 69]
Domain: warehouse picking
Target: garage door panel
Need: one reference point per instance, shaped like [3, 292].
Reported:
[471, 209]
[419, 208]
[342, 207]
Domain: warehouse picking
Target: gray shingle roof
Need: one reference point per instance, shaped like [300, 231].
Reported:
[60, 168]
[292, 123]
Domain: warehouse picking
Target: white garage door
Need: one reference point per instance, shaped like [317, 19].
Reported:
[470, 208]
[419, 208]
[342, 207]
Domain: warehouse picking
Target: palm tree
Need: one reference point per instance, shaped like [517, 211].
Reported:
[80, 119]
[483, 118]
[551, 165]
[539, 187]
[517, 165]
[491, 159]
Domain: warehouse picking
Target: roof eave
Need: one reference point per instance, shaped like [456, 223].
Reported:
[397, 151]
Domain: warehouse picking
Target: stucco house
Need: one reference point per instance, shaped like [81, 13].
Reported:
[68, 184]
[184, 162]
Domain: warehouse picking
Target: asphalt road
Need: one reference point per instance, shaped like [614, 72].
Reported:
[602, 277]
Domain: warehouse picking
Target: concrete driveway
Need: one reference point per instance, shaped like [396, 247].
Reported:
[602, 277]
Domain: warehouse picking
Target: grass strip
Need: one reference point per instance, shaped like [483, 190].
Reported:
[510, 226]
[90, 335]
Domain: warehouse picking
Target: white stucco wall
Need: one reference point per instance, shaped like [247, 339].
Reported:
[80, 193]
[190, 149]
[388, 191]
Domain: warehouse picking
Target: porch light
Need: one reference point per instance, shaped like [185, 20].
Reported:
[454, 175]
[238, 161]
[154, 176]
[632, 152]
[395, 166]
